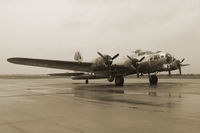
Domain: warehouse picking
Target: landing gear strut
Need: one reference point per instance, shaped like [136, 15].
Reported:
[119, 80]
[153, 79]
[86, 81]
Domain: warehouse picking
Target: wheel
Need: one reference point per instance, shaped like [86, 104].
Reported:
[86, 81]
[119, 80]
[153, 80]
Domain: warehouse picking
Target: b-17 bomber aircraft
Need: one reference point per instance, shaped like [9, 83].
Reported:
[141, 62]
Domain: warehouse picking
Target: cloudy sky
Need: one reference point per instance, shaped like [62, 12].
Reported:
[55, 29]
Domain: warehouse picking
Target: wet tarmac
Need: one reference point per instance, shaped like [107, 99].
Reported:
[64, 106]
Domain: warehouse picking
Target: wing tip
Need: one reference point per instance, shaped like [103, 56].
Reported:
[13, 59]
[10, 60]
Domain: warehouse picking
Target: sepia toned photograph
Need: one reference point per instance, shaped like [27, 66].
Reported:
[99, 66]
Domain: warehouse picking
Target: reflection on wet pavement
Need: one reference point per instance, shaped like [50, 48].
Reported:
[72, 106]
[162, 95]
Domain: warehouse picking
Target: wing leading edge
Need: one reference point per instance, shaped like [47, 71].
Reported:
[66, 65]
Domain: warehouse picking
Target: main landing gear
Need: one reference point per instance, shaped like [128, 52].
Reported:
[153, 79]
[119, 80]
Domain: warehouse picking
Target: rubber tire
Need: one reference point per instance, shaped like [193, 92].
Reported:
[153, 80]
[119, 80]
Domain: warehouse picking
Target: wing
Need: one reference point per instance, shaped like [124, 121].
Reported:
[66, 65]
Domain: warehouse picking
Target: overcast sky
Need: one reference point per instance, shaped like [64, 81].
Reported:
[55, 29]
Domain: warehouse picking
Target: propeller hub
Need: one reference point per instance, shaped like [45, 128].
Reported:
[135, 62]
[108, 60]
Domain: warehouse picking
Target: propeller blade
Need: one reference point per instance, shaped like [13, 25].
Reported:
[115, 56]
[185, 64]
[182, 60]
[101, 54]
[180, 72]
[129, 57]
[142, 59]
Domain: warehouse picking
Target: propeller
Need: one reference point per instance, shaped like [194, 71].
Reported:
[169, 61]
[136, 64]
[178, 62]
[108, 60]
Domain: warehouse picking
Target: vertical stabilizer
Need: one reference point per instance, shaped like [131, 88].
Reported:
[78, 56]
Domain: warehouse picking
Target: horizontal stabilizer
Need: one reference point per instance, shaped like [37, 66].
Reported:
[78, 57]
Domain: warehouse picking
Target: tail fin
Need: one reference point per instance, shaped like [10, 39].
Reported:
[78, 57]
